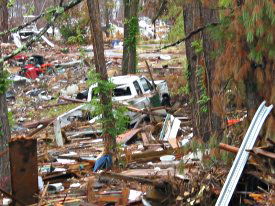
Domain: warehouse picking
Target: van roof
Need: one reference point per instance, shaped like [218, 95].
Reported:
[126, 79]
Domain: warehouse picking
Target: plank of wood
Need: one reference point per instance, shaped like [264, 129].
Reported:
[125, 137]
[149, 172]
[144, 139]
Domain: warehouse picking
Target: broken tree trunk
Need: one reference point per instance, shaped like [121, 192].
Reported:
[105, 96]
[24, 169]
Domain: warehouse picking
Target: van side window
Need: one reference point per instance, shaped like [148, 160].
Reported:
[139, 91]
[146, 84]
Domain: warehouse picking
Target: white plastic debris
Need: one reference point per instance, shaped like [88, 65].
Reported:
[6, 201]
[16, 40]
[193, 157]
[75, 185]
[165, 57]
[65, 161]
[44, 97]
[40, 183]
[134, 195]
[140, 147]
[71, 90]
[97, 141]
[167, 158]
[184, 142]
[150, 163]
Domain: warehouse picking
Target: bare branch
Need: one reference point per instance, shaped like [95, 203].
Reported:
[189, 35]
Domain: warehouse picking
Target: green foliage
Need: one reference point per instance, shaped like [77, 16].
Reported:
[181, 167]
[11, 119]
[73, 32]
[118, 117]
[11, 123]
[197, 45]
[258, 19]
[1, 131]
[30, 9]
[79, 37]
[65, 50]
[186, 88]
[132, 39]
[11, 3]
[204, 98]
[175, 15]
[67, 31]
[225, 3]
[4, 81]
[177, 30]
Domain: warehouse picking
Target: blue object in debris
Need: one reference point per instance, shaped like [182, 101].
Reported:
[103, 162]
[115, 43]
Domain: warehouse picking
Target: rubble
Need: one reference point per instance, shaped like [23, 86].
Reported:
[159, 160]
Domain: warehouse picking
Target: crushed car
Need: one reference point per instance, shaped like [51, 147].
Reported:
[132, 90]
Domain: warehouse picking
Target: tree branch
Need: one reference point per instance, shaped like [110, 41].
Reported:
[36, 37]
[16, 29]
[189, 35]
[162, 7]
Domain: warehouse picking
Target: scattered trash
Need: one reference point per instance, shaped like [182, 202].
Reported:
[48, 99]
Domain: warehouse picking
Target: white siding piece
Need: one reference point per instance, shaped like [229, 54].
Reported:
[242, 156]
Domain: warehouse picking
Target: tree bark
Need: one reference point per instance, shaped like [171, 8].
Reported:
[129, 60]
[132, 65]
[201, 116]
[209, 15]
[4, 139]
[5, 182]
[125, 58]
[4, 17]
[105, 97]
[253, 98]
[107, 12]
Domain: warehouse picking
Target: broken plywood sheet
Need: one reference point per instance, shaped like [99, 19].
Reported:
[160, 173]
[125, 137]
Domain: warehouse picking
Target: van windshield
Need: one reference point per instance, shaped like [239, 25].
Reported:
[119, 91]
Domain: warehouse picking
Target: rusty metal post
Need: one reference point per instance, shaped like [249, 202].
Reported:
[24, 170]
